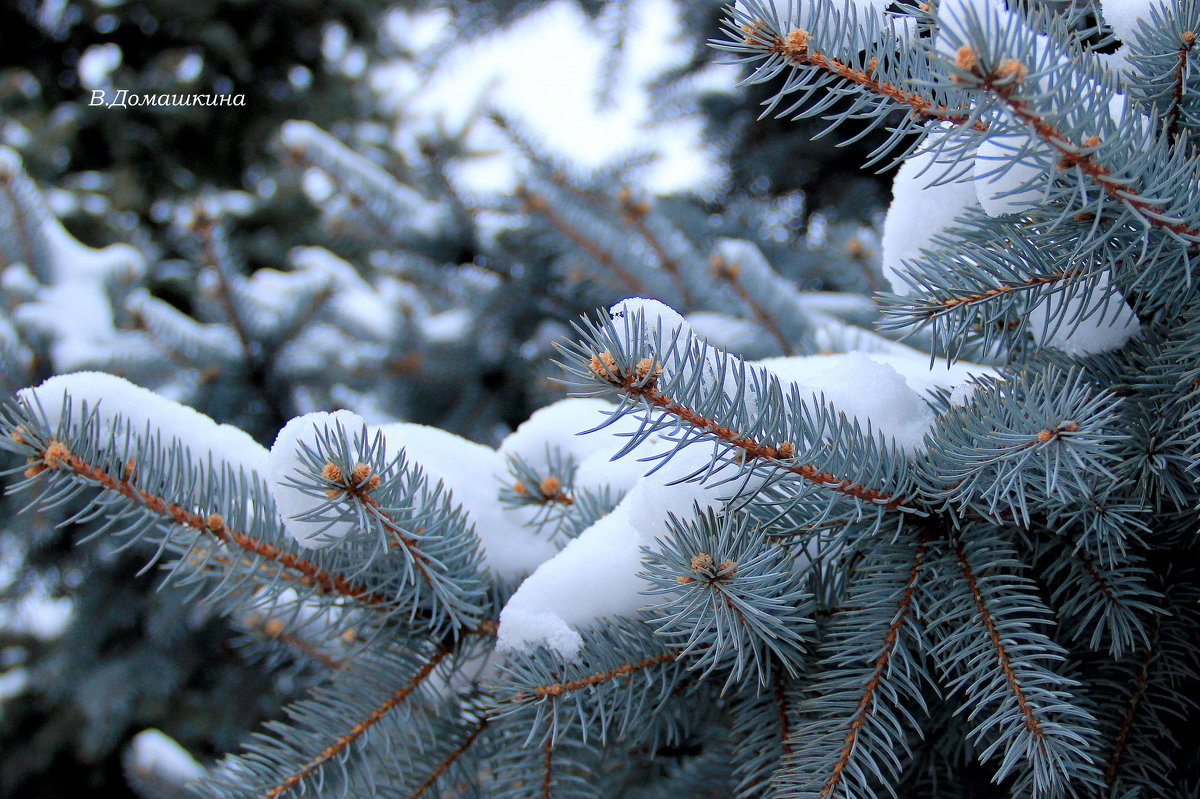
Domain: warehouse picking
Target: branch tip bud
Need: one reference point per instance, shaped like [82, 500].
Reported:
[550, 486]
[604, 366]
[55, 455]
[1011, 68]
[795, 44]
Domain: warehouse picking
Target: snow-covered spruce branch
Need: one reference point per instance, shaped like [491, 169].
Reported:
[653, 362]
[395, 213]
[52, 454]
[1045, 96]
[756, 579]
[196, 495]
[721, 286]
[386, 497]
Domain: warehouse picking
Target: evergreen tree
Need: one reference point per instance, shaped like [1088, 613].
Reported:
[763, 550]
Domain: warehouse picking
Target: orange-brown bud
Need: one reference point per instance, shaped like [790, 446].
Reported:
[56, 454]
[604, 366]
[966, 59]
[550, 486]
[796, 44]
[1012, 68]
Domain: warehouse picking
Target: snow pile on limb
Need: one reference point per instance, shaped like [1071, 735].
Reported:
[1080, 322]
[156, 761]
[113, 402]
[470, 472]
[1123, 15]
[596, 574]
[582, 429]
[67, 287]
[885, 392]
[921, 208]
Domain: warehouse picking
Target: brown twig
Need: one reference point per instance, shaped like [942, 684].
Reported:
[256, 367]
[547, 762]
[357, 200]
[1032, 724]
[1135, 696]
[358, 729]
[454, 755]
[781, 700]
[635, 385]
[881, 662]
[1101, 583]
[936, 306]
[1189, 41]
[560, 688]
[634, 213]
[794, 47]
[538, 205]
[204, 228]
[402, 537]
[275, 630]
[20, 222]
[1072, 156]
[57, 455]
[729, 273]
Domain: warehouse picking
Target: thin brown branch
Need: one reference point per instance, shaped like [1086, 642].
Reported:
[402, 537]
[358, 729]
[794, 47]
[19, 224]
[1031, 720]
[641, 386]
[1098, 578]
[1073, 155]
[781, 700]
[730, 273]
[881, 662]
[204, 228]
[634, 212]
[560, 688]
[56, 456]
[933, 307]
[540, 206]
[358, 199]
[1189, 41]
[314, 307]
[449, 760]
[1135, 697]
[256, 367]
[276, 630]
[547, 763]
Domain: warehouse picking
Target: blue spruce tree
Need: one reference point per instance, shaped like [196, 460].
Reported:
[762, 549]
